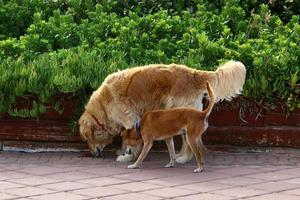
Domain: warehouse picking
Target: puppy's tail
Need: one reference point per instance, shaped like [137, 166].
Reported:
[211, 100]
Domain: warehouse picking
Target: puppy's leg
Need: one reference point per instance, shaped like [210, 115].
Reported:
[171, 149]
[193, 142]
[146, 148]
[185, 154]
[202, 149]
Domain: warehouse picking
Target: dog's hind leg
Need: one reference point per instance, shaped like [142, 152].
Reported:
[193, 142]
[185, 153]
[146, 148]
[171, 149]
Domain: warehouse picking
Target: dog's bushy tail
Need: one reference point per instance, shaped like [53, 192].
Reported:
[211, 100]
[228, 80]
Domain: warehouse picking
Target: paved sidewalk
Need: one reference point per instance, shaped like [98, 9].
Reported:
[242, 174]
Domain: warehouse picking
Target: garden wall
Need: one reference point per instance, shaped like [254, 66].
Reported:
[229, 125]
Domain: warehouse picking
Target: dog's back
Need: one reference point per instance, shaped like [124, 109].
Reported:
[166, 123]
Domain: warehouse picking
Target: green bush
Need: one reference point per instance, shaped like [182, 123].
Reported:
[52, 48]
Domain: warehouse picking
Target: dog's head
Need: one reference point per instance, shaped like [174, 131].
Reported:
[130, 138]
[97, 137]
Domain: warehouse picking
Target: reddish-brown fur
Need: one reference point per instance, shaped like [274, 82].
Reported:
[164, 124]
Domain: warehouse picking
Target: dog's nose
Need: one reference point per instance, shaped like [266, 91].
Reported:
[98, 152]
[128, 151]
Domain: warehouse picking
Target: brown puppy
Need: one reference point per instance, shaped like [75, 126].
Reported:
[164, 124]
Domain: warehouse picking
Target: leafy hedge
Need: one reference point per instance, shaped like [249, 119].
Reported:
[52, 48]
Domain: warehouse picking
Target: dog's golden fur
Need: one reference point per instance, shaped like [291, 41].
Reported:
[165, 124]
[124, 96]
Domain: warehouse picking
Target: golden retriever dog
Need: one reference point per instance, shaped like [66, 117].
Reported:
[124, 96]
[167, 123]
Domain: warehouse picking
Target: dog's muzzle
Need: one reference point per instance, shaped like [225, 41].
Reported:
[128, 151]
[97, 153]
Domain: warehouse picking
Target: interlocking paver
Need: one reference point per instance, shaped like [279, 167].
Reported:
[65, 186]
[272, 174]
[136, 186]
[132, 196]
[34, 180]
[240, 192]
[204, 196]
[293, 192]
[273, 186]
[28, 191]
[4, 196]
[204, 187]
[59, 196]
[99, 192]
[274, 196]
[103, 181]
[239, 181]
[169, 192]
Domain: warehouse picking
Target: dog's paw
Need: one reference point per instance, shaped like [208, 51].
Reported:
[182, 159]
[125, 158]
[199, 169]
[133, 166]
[169, 165]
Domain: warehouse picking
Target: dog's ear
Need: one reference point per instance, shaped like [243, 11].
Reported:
[124, 132]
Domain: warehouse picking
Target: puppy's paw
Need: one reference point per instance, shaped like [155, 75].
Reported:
[125, 158]
[169, 165]
[199, 169]
[133, 166]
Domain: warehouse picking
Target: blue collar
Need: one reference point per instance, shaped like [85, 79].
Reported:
[137, 128]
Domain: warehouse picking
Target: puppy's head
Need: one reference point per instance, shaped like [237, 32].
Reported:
[130, 138]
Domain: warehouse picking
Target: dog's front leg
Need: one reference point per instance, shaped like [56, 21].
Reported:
[146, 148]
[171, 149]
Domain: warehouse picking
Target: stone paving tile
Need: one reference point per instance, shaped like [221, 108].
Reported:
[41, 170]
[227, 175]
[103, 181]
[108, 171]
[131, 196]
[4, 196]
[60, 196]
[28, 191]
[272, 176]
[99, 192]
[65, 186]
[274, 196]
[239, 192]
[187, 178]
[136, 186]
[146, 174]
[204, 196]
[6, 185]
[293, 171]
[241, 170]
[169, 192]
[34, 180]
[293, 192]
[204, 187]
[239, 181]
[273, 186]
[8, 175]
[71, 176]
[293, 180]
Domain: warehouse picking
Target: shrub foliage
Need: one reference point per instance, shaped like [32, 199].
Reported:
[67, 47]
